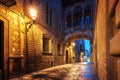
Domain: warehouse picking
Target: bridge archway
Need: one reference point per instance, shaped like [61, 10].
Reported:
[88, 34]
[70, 38]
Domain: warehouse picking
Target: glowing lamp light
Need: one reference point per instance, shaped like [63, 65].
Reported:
[33, 13]
[73, 44]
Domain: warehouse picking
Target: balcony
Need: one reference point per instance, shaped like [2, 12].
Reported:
[79, 27]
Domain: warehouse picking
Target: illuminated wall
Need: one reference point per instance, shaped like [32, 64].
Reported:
[14, 19]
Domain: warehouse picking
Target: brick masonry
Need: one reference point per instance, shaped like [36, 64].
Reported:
[14, 38]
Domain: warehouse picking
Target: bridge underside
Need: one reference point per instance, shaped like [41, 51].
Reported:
[79, 35]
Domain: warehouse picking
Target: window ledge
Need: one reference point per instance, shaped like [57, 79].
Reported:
[16, 57]
[115, 45]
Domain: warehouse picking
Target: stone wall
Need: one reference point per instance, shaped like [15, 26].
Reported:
[15, 39]
[37, 59]
[105, 29]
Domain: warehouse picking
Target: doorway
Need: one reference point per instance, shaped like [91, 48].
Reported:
[1, 48]
[66, 56]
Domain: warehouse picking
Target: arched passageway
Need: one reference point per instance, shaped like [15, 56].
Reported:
[78, 51]
[83, 49]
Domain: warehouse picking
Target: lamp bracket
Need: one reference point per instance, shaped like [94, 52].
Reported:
[28, 25]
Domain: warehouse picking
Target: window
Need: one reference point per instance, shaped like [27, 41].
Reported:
[50, 18]
[68, 21]
[77, 19]
[87, 19]
[87, 16]
[46, 44]
[48, 15]
[47, 10]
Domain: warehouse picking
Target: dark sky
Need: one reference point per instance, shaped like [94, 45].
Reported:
[65, 3]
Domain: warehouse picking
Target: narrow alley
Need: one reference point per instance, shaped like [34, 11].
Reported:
[59, 39]
[75, 71]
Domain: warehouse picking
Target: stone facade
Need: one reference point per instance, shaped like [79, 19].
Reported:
[14, 19]
[23, 51]
[106, 19]
[78, 24]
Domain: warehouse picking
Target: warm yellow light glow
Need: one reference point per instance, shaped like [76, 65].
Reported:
[33, 13]
[73, 44]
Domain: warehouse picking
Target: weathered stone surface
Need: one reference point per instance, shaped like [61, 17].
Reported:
[105, 34]
[115, 45]
[14, 19]
[111, 6]
[118, 69]
[78, 71]
[118, 15]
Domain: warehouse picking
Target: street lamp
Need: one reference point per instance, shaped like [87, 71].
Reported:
[73, 44]
[28, 25]
[33, 13]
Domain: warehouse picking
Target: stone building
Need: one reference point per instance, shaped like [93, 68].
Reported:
[106, 43]
[27, 46]
[22, 50]
[105, 39]
[78, 21]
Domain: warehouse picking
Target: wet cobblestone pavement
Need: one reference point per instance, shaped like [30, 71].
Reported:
[76, 71]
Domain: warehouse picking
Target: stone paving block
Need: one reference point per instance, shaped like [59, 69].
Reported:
[63, 72]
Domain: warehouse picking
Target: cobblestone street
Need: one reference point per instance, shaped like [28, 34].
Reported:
[77, 71]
